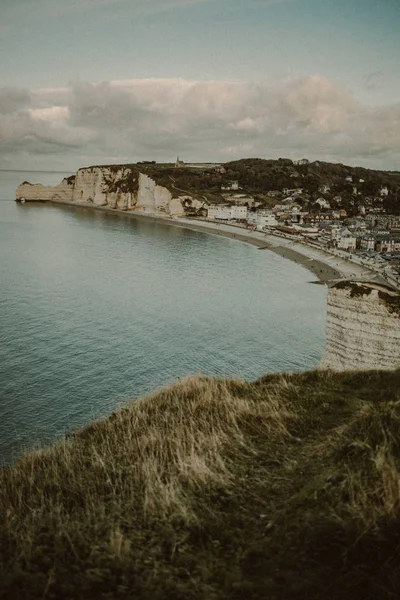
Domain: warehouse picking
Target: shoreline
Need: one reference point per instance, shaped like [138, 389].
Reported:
[324, 266]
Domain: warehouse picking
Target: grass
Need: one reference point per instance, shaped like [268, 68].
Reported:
[286, 488]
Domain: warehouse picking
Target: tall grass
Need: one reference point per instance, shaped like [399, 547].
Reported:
[207, 489]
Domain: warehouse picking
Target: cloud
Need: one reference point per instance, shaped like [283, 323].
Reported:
[212, 120]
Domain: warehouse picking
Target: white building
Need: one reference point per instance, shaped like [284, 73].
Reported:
[347, 240]
[384, 191]
[349, 178]
[225, 212]
[239, 213]
[324, 189]
[220, 212]
[291, 191]
[323, 203]
[335, 232]
[262, 219]
[231, 185]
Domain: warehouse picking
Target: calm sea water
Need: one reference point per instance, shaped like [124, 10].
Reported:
[98, 308]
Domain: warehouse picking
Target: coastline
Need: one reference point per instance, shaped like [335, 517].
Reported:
[323, 265]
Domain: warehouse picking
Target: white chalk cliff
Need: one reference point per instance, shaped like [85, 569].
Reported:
[120, 188]
[363, 327]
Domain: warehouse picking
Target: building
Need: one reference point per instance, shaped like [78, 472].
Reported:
[387, 243]
[323, 203]
[347, 240]
[384, 191]
[367, 243]
[242, 199]
[291, 191]
[225, 212]
[324, 189]
[221, 212]
[178, 163]
[230, 185]
[262, 219]
[239, 213]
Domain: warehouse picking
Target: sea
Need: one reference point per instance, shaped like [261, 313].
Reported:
[98, 309]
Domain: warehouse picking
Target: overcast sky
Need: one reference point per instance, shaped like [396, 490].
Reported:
[106, 81]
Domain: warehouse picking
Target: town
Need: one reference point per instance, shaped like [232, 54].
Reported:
[329, 206]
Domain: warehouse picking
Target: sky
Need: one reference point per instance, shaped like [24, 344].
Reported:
[116, 81]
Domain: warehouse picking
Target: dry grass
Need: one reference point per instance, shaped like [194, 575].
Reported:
[215, 489]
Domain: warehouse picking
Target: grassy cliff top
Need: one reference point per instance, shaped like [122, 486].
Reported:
[258, 176]
[286, 488]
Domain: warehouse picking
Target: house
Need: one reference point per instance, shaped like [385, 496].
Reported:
[334, 215]
[349, 178]
[387, 243]
[323, 203]
[291, 191]
[371, 220]
[240, 199]
[367, 242]
[356, 224]
[324, 189]
[347, 240]
[335, 233]
[230, 185]
[384, 191]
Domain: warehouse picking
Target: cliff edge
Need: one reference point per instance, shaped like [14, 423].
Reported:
[118, 187]
[363, 327]
[285, 488]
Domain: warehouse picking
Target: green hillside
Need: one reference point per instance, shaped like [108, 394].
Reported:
[258, 176]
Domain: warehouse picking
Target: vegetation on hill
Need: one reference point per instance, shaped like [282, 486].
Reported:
[286, 488]
[257, 177]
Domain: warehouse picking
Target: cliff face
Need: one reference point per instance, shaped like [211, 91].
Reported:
[122, 188]
[41, 193]
[363, 327]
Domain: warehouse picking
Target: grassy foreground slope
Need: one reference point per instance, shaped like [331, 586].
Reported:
[286, 488]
